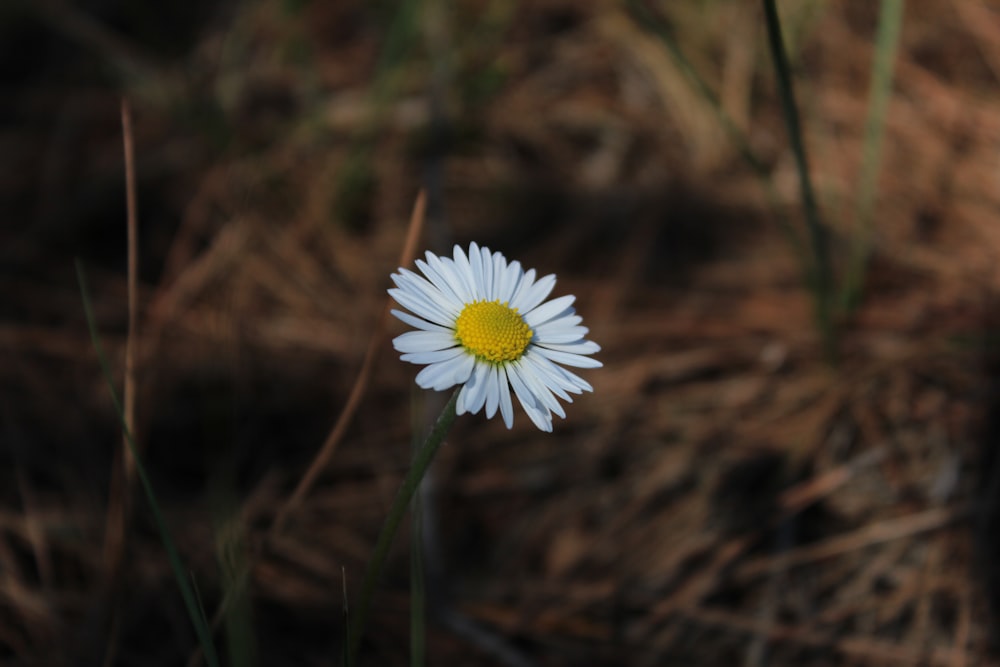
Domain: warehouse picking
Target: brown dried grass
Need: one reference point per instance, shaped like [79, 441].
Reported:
[725, 496]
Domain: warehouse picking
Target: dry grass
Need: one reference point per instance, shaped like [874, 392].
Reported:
[725, 496]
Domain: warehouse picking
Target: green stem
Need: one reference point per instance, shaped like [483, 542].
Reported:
[821, 273]
[886, 46]
[736, 135]
[418, 588]
[195, 612]
[421, 462]
[418, 584]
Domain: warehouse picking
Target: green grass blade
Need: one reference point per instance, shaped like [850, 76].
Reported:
[886, 47]
[733, 132]
[821, 273]
[231, 554]
[202, 616]
[418, 583]
[187, 593]
[346, 658]
[400, 504]
[418, 589]
[815, 256]
[356, 181]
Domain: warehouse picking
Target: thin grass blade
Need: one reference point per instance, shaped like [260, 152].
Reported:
[418, 584]
[886, 48]
[400, 504]
[191, 604]
[821, 273]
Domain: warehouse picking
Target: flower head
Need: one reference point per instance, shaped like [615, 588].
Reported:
[481, 322]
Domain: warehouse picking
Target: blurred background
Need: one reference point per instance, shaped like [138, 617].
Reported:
[775, 468]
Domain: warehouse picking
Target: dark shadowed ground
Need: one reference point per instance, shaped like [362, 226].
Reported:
[728, 495]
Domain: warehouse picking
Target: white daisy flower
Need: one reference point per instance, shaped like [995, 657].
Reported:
[481, 322]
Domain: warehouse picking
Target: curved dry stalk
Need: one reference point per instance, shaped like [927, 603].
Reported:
[326, 452]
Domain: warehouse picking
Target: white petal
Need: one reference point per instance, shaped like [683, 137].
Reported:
[417, 322]
[520, 388]
[531, 294]
[446, 374]
[573, 382]
[537, 380]
[422, 307]
[420, 286]
[506, 407]
[523, 287]
[540, 418]
[568, 320]
[433, 357]
[578, 347]
[556, 377]
[550, 333]
[474, 393]
[446, 267]
[493, 391]
[476, 264]
[464, 269]
[414, 282]
[423, 341]
[499, 270]
[441, 281]
[531, 404]
[488, 271]
[548, 311]
[510, 278]
[465, 391]
[567, 358]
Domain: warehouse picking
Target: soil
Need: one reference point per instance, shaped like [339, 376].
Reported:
[743, 486]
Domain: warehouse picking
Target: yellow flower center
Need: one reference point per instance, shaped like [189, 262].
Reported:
[492, 331]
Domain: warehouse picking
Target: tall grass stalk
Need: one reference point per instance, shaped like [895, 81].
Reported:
[231, 550]
[418, 587]
[123, 467]
[194, 611]
[411, 483]
[886, 47]
[733, 132]
[132, 226]
[328, 448]
[355, 181]
[418, 580]
[345, 651]
[821, 272]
